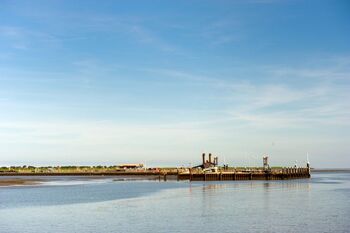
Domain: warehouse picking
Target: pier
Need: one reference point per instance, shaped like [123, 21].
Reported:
[273, 174]
[210, 171]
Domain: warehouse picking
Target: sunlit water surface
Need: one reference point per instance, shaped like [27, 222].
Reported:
[320, 204]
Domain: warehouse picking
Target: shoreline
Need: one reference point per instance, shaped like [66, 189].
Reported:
[33, 179]
[10, 179]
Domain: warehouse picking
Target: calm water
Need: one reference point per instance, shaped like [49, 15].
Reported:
[321, 204]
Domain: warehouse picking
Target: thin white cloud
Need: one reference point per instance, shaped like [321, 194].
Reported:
[276, 102]
[21, 38]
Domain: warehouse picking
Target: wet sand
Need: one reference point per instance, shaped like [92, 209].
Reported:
[18, 181]
[35, 180]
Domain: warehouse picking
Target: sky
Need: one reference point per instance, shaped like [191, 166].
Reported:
[161, 82]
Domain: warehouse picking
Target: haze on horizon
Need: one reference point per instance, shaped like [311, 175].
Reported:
[108, 82]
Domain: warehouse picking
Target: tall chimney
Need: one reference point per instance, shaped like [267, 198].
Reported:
[209, 157]
[216, 161]
[203, 158]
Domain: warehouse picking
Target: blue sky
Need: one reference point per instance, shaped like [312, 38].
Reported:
[160, 82]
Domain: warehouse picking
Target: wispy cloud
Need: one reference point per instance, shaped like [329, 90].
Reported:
[275, 102]
[21, 38]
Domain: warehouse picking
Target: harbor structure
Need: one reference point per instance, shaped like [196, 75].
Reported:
[266, 163]
[209, 170]
[208, 163]
[215, 173]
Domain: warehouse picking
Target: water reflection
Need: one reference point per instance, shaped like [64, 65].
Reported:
[211, 187]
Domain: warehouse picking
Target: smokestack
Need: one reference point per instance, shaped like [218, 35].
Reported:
[203, 158]
[216, 161]
[209, 157]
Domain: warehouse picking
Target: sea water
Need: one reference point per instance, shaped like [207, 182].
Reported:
[70, 204]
